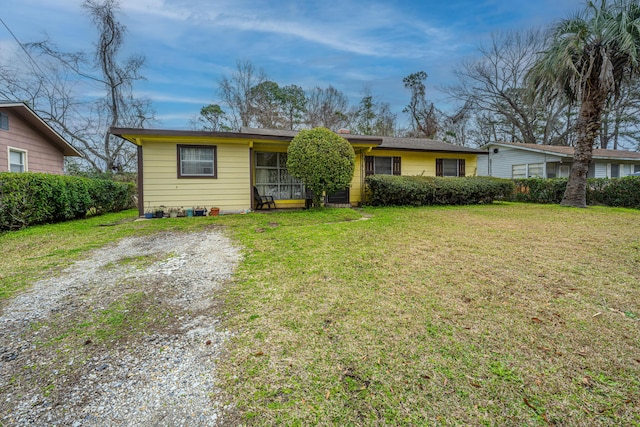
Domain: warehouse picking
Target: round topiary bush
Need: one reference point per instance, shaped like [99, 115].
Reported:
[323, 160]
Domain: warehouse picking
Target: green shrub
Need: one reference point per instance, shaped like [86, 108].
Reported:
[322, 160]
[621, 192]
[37, 198]
[539, 190]
[389, 190]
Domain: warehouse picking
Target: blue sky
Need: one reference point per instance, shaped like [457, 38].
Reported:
[349, 44]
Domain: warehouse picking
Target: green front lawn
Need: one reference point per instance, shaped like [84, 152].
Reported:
[507, 314]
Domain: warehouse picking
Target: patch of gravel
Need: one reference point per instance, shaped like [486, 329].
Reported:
[164, 376]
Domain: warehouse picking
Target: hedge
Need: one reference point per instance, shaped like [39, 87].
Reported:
[37, 198]
[620, 192]
[389, 190]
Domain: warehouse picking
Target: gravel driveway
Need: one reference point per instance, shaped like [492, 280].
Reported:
[51, 373]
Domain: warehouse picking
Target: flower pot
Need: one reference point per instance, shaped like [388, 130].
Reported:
[199, 212]
[148, 215]
[173, 214]
[189, 212]
[214, 212]
[159, 214]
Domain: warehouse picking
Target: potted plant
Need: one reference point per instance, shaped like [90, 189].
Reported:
[159, 212]
[200, 211]
[148, 214]
[215, 211]
[173, 212]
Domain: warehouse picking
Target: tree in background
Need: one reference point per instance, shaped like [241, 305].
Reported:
[50, 88]
[264, 105]
[212, 118]
[326, 107]
[236, 92]
[621, 119]
[275, 107]
[423, 115]
[587, 60]
[293, 103]
[371, 117]
[322, 160]
[498, 100]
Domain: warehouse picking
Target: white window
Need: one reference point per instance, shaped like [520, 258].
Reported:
[564, 171]
[17, 160]
[614, 170]
[273, 179]
[536, 170]
[197, 161]
[518, 171]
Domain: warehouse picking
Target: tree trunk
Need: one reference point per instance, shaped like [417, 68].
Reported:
[587, 127]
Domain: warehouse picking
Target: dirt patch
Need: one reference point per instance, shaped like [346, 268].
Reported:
[127, 336]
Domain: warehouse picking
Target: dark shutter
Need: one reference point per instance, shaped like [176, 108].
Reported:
[396, 166]
[368, 165]
[461, 168]
[439, 167]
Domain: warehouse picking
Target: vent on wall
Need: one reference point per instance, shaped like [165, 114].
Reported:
[495, 150]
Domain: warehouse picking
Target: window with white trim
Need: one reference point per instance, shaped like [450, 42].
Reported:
[535, 170]
[273, 179]
[17, 160]
[197, 161]
[614, 169]
[518, 171]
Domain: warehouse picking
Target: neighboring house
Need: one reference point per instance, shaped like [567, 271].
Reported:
[196, 168]
[28, 144]
[515, 160]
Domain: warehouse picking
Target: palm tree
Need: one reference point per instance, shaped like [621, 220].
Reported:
[588, 58]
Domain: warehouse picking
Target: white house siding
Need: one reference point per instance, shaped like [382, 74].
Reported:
[483, 165]
[500, 164]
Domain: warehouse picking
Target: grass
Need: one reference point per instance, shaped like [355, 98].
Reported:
[508, 314]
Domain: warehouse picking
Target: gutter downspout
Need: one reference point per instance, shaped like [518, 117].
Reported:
[140, 181]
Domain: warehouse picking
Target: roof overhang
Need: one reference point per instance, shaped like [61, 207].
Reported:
[139, 136]
[21, 110]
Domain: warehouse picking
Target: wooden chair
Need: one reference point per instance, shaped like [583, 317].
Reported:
[261, 201]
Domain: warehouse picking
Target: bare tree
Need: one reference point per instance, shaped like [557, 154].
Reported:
[494, 89]
[49, 88]
[236, 93]
[621, 118]
[326, 107]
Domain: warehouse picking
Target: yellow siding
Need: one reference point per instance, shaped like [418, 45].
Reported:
[412, 163]
[230, 191]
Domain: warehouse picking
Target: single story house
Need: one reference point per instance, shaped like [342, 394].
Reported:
[516, 160]
[180, 168]
[28, 143]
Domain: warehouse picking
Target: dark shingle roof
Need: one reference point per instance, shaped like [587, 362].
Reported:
[423, 144]
[386, 142]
